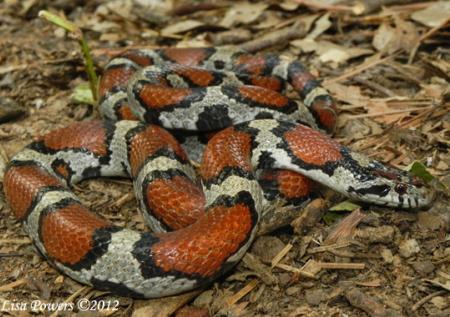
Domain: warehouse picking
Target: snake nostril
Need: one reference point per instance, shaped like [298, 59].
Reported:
[416, 181]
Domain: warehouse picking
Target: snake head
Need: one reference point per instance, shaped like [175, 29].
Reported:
[403, 189]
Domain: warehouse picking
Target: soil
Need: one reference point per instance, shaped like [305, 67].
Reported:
[388, 69]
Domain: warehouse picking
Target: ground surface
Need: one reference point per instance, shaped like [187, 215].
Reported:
[389, 70]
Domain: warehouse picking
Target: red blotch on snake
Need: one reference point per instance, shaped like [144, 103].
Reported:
[269, 98]
[89, 135]
[147, 142]
[21, 185]
[228, 148]
[178, 202]
[311, 146]
[68, 233]
[224, 229]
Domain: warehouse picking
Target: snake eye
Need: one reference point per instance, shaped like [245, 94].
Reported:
[400, 188]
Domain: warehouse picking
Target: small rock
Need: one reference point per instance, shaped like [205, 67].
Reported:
[205, 299]
[9, 109]
[315, 297]
[267, 247]
[408, 248]
[430, 220]
[38, 103]
[293, 290]
[397, 260]
[387, 256]
[423, 267]
[440, 302]
[382, 234]
[284, 278]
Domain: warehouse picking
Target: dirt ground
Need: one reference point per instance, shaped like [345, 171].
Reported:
[389, 69]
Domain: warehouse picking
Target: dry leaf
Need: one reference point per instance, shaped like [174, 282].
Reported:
[434, 15]
[269, 19]
[242, 13]
[330, 52]
[322, 24]
[289, 5]
[349, 94]
[390, 39]
[384, 39]
[181, 27]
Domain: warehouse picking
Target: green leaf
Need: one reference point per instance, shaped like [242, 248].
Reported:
[82, 94]
[331, 217]
[419, 170]
[58, 20]
[346, 205]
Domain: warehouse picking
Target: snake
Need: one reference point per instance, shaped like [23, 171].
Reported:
[260, 145]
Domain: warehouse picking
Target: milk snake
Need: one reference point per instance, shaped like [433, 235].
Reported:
[262, 144]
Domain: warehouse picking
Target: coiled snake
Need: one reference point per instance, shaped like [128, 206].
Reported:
[268, 140]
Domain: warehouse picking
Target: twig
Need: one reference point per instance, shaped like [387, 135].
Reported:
[188, 8]
[71, 298]
[281, 254]
[342, 266]
[423, 37]
[358, 69]
[412, 6]
[417, 305]
[366, 303]
[10, 255]
[317, 5]
[385, 113]
[329, 247]
[369, 6]
[375, 86]
[16, 241]
[12, 285]
[78, 34]
[233, 299]
[277, 37]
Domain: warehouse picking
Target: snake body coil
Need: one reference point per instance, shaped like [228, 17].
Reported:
[200, 90]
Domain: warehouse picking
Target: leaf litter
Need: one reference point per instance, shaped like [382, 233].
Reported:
[386, 62]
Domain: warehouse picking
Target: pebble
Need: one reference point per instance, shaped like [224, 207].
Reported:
[267, 247]
[293, 290]
[423, 267]
[408, 248]
[315, 297]
[387, 256]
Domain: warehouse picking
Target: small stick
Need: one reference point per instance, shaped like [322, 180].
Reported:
[233, 299]
[375, 86]
[16, 241]
[341, 266]
[417, 305]
[359, 69]
[385, 113]
[281, 36]
[328, 7]
[281, 254]
[12, 285]
[329, 247]
[71, 298]
[425, 36]
[369, 6]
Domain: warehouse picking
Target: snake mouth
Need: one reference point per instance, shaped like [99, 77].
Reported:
[410, 196]
[405, 190]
